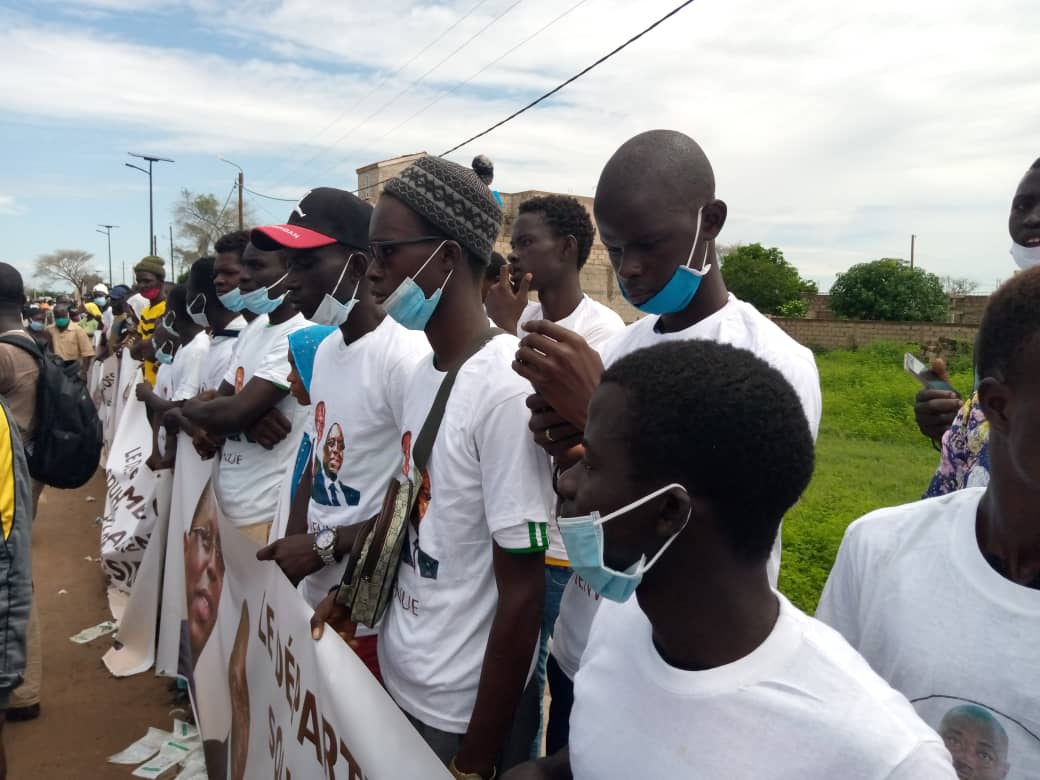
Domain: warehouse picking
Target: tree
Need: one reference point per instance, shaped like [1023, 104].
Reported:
[763, 278]
[959, 286]
[72, 266]
[888, 289]
[201, 219]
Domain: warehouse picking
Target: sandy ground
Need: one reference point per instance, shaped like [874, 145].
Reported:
[86, 714]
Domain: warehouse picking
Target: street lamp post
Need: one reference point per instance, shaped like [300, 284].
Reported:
[241, 177]
[108, 233]
[151, 212]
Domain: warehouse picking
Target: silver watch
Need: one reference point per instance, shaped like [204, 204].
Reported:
[325, 546]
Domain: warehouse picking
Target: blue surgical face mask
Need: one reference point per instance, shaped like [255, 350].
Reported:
[197, 310]
[101, 302]
[164, 354]
[331, 311]
[232, 300]
[37, 326]
[1025, 257]
[680, 289]
[259, 301]
[409, 305]
[583, 538]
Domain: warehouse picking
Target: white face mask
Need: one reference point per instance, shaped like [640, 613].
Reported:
[197, 311]
[1026, 257]
[330, 311]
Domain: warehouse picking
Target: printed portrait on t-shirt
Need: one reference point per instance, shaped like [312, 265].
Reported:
[240, 379]
[411, 554]
[327, 488]
[985, 744]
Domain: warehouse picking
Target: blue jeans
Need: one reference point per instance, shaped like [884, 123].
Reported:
[556, 578]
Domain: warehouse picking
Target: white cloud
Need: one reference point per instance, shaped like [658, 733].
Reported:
[835, 130]
[8, 206]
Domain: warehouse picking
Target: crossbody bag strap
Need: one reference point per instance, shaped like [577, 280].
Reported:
[25, 343]
[428, 434]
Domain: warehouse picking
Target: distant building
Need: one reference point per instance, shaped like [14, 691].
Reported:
[373, 177]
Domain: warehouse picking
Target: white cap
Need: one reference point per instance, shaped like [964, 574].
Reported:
[100, 288]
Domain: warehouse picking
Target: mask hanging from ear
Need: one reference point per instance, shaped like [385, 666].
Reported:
[680, 289]
[331, 311]
[408, 304]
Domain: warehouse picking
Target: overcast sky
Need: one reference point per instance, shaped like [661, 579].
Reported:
[836, 129]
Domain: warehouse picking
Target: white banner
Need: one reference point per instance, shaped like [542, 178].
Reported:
[270, 701]
[190, 477]
[135, 497]
[126, 378]
[105, 397]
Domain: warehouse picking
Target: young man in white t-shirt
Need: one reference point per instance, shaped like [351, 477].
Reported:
[942, 596]
[253, 410]
[659, 218]
[181, 350]
[709, 671]
[458, 641]
[223, 325]
[551, 240]
[356, 433]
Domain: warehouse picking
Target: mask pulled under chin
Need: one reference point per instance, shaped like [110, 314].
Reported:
[583, 538]
[151, 294]
[1025, 257]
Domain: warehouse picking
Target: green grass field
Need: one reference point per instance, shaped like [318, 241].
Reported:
[869, 455]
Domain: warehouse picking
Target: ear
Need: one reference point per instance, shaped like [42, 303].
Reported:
[570, 250]
[357, 265]
[995, 399]
[713, 217]
[450, 257]
[675, 512]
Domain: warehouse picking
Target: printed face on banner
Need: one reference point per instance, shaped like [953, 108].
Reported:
[203, 571]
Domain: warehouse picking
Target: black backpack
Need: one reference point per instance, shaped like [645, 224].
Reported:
[66, 448]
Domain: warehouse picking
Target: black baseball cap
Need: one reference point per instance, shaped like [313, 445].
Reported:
[323, 216]
[119, 292]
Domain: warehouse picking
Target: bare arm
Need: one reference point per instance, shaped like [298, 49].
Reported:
[234, 413]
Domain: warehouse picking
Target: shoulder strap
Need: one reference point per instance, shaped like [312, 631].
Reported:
[424, 444]
[26, 343]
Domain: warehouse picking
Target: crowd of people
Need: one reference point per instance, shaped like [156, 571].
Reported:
[598, 506]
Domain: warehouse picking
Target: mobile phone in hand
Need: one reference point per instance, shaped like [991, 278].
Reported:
[925, 375]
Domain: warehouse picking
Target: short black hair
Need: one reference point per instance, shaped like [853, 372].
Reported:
[232, 242]
[565, 216]
[177, 301]
[12, 289]
[201, 277]
[1036, 165]
[1010, 324]
[494, 269]
[723, 423]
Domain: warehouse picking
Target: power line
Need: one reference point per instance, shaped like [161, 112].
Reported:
[270, 198]
[376, 87]
[571, 80]
[495, 61]
[415, 83]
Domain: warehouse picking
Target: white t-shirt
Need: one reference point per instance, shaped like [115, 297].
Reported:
[595, 323]
[801, 706]
[738, 324]
[249, 475]
[186, 369]
[218, 360]
[913, 593]
[360, 427]
[486, 480]
[591, 320]
[138, 303]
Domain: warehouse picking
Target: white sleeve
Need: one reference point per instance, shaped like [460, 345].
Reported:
[399, 378]
[517, 518]
[275, 365]
[190, 375]
[578, 607]
[928, 761]
[840, 601]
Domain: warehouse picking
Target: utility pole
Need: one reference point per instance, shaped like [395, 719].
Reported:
[108, 233]
[241, 184]
[173, 267]
[913, 240]
[151, 208]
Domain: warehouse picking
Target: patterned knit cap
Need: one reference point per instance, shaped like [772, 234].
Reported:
[453, 199]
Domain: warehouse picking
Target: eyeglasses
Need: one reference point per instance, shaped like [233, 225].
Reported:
[377, 249]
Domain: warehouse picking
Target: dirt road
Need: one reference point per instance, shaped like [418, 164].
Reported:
[86, 714]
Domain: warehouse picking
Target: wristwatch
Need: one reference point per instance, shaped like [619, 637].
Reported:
[325, 546]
